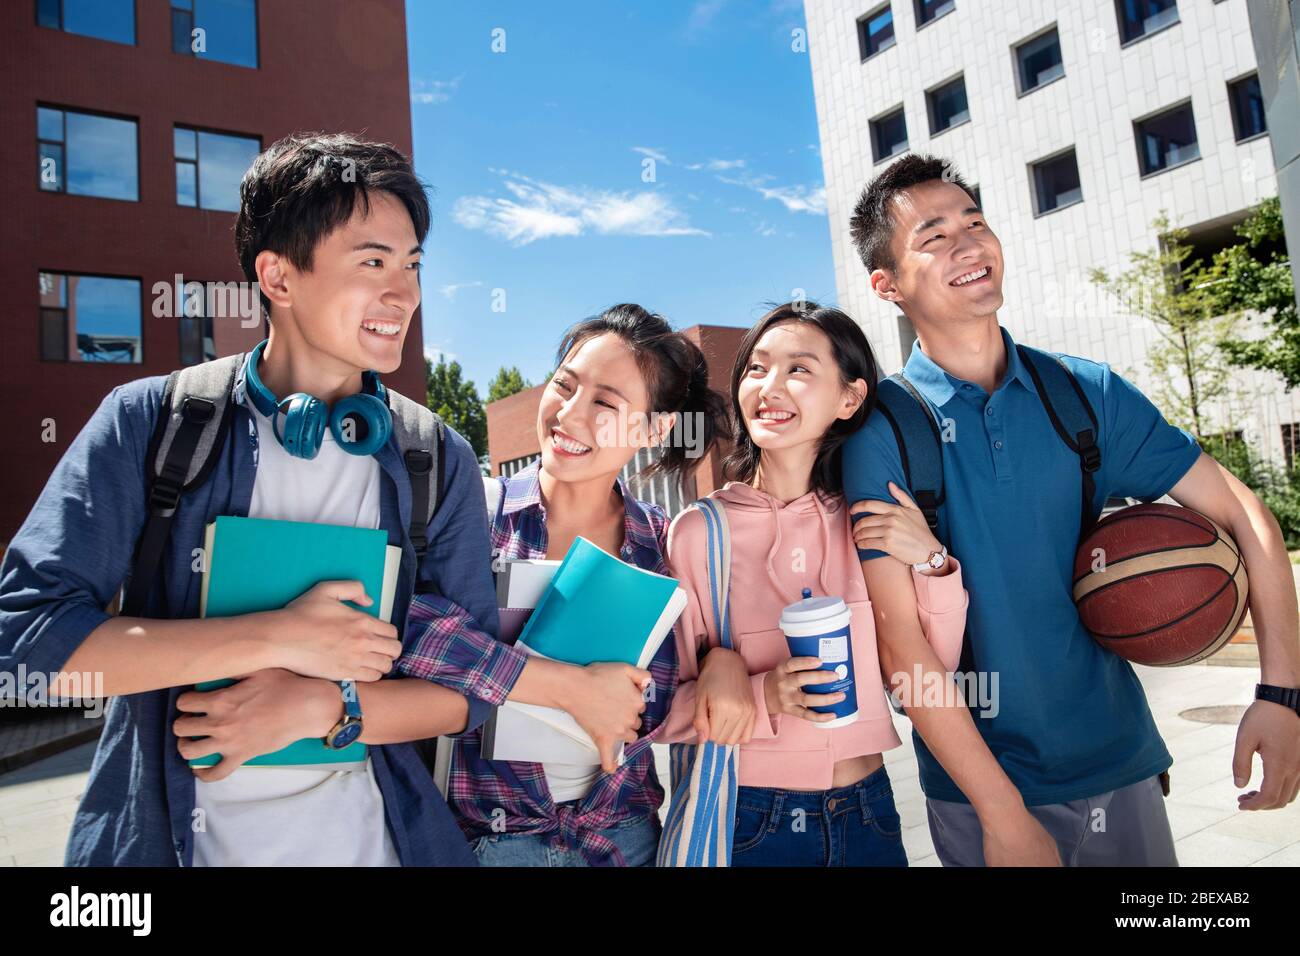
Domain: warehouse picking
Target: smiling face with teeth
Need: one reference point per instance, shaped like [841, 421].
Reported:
[793, 390]
[947, 262]
[588, 417]
[351, 310]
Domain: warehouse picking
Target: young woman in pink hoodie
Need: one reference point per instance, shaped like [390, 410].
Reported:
[809, 795]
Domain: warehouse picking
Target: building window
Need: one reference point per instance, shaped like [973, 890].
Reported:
[209, 167]
[906, 335]
[876, 32]
[1247, 107]
[197, 341]
[223, 30]
[1140, 18]
[1290, 443]
[1056, 182]
[1166, 139]
[662, 490]
[888, 135]
[511, 468]
[1038, 61]
[947, 106]
[927, 10]
[89, 318]
[85, 154]
[103, 19]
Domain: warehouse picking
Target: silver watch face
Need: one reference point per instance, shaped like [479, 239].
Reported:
[936, 560]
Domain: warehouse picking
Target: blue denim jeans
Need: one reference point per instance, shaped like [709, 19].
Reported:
[856, 825]
[637, 839]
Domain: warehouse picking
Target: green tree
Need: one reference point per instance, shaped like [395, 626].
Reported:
[1253, 278]
[508, 381]
[1188, 366]
[456, 401]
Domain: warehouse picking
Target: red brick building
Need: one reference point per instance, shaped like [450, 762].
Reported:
[126, 126]
[512, 425]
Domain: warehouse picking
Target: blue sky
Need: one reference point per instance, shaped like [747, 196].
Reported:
[537, 161]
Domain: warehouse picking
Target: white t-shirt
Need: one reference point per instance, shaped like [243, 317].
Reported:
[569, 781]
[275, 816]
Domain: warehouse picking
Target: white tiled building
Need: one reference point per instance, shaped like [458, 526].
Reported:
[1114, 65]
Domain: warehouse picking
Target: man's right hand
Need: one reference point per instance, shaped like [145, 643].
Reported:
[320, 636]
[607, 704]
[1019, 840]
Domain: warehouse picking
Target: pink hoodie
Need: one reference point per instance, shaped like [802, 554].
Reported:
[776, 551]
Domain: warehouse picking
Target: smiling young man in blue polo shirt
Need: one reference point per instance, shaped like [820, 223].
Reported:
[1071, 741]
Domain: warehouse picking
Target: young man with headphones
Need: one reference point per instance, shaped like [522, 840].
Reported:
[330, 227]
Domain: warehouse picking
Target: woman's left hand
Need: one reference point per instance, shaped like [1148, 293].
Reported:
[897, 529]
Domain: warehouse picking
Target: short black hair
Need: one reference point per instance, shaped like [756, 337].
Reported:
[855, 360]
[303, 187]
[872, 224]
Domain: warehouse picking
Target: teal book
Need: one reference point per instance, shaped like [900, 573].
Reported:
[599, 608]
[254, 564]
[595, 608]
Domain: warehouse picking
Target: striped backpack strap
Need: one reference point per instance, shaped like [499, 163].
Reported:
[704, 777]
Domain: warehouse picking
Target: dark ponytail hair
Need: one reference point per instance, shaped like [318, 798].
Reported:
[676, 376]
[856, 361]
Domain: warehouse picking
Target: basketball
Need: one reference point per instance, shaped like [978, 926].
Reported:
[1160, 585]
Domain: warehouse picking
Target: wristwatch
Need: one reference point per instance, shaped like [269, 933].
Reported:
[934, 562]
[348, 729]
[1286, 696]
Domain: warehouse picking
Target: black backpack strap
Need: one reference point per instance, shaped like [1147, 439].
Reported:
[919, 444]
[187, 440]
[1073, 418]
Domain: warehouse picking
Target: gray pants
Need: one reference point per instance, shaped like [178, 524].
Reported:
[1124, 827]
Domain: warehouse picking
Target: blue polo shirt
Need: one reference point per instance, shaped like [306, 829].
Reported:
[73, 552]
[1072, 720]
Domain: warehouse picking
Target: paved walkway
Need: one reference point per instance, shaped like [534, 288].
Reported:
[37, 801]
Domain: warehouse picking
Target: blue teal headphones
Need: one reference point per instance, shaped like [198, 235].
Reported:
[361, 423]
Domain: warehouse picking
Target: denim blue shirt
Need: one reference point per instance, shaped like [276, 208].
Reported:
[73, 552]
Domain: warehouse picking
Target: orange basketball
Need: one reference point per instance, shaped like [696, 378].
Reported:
[1160, 585]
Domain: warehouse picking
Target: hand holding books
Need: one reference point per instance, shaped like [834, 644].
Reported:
[325, 638]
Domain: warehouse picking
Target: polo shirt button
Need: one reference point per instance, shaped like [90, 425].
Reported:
[998, 444]
[967, 387]
[988, 410]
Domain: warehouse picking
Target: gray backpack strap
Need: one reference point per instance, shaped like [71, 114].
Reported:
[420, 438]
[187, 440]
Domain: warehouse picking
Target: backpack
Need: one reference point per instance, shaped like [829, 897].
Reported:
[192, 428]
[920, 446]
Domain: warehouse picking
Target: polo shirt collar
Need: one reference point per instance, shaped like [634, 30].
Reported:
[938, 386]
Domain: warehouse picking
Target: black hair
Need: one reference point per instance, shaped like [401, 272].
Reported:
[872, 222]
[856, 361]
[303, 187]
[676, 376]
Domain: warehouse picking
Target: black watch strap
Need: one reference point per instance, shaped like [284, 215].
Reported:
[1286, 696]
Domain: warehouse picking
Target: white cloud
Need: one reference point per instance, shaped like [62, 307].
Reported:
[657, 155]
[542, 210]
[702, 15]
[434, 91]
[449, 291]
[796, 198]
[435, 354]
[718, 165]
